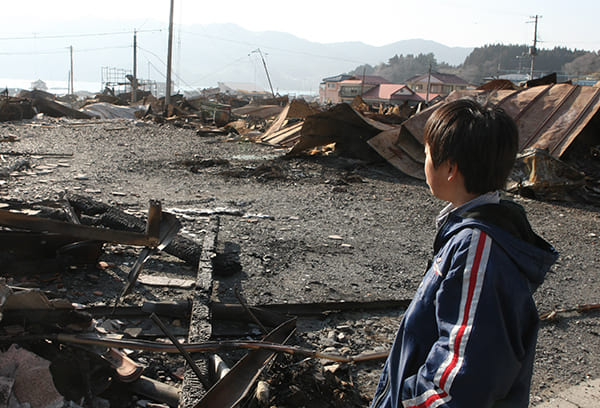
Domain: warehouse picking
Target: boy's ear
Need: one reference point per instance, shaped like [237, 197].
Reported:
[452, 171]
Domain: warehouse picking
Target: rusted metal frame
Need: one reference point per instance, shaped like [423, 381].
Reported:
[271, 314]
[226, 311]
[559, 105]
[38, 224]
[234, 387]
[248, 310]
[168, 227]
[181, 349]
[161, 347]
[154, 219]
[303, 309]
[579, 117]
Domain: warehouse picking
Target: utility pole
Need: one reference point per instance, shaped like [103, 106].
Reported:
[134, 81]
[266, 71]
[362, 83]
[71, 92]
[533, 50]
[169, 57]
[428, 84]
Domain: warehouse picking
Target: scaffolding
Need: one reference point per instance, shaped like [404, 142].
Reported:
[119, 81]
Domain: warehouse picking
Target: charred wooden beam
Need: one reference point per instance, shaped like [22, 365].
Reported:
[38, 224]
[200, 328]
[99, 213]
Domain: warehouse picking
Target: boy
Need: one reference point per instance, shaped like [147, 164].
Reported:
[468, 337]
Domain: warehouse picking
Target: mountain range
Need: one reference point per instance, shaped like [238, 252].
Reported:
[203, 55]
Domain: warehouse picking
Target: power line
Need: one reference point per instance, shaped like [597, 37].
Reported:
[63, 50]
[222, 68]
[45, 37]
[253, 45]
[164, 63]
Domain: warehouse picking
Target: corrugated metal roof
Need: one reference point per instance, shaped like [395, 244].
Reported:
[548, 117]
[437, 77]
[371, 79]
[337, 78]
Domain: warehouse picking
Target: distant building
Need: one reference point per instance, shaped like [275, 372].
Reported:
[392, 94]
[330, 87]
[439, 83]
[39, 85]
[358, 85]
[373, 89]
[343, 87]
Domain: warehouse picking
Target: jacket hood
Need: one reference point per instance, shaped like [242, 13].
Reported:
[507, 224]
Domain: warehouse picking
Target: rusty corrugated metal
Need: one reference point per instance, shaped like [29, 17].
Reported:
[549, 117]
[343, 125]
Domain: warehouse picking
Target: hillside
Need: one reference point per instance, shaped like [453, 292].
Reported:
[488, 61]
[203, 54]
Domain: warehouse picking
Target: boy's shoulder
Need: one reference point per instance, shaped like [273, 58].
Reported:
[506, 215]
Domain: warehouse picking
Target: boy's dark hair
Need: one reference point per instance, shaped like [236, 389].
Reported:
[482, 140]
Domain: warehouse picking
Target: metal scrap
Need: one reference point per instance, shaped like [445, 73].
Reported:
[344, 126]
[552, 117]
[537, 174]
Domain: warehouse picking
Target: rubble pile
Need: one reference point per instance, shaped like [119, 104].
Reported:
[217, 252]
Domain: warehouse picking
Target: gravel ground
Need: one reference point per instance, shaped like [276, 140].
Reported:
[308, 229]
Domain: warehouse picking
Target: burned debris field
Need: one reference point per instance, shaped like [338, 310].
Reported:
[287, 272]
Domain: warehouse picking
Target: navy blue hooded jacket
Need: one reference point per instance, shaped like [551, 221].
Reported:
[468, 337]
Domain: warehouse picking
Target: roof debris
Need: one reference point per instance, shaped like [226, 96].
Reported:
[60, 349]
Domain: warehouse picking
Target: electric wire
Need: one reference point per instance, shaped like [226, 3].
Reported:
[64, 50]
[254, 45]
[55, 36]
[162, 62]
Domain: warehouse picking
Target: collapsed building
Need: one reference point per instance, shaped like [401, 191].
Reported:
[559, 155]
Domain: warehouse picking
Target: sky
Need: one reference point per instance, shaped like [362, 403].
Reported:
[35, 34]
[465, 23]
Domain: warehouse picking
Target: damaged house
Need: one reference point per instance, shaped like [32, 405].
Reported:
[558, 130]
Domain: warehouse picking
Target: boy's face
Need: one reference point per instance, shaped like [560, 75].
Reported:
[437, 178]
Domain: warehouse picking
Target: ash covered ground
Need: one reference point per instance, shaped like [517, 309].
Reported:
[308, 229]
